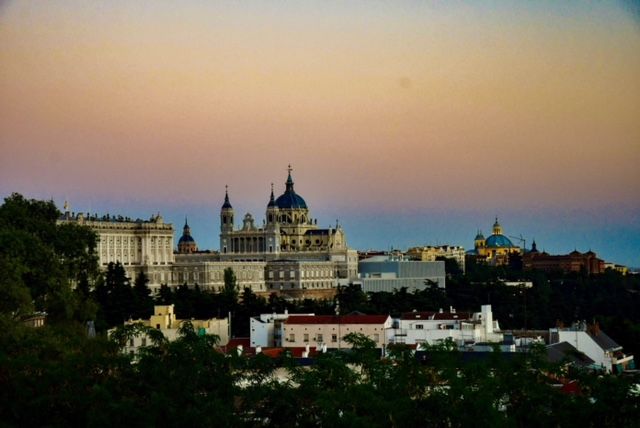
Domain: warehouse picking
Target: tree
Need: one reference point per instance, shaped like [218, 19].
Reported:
[229, 294]
[115, 296]
[47, 260]
[143, 304]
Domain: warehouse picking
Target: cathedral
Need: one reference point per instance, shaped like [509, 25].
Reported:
[288, 234]
[494, 250]
[288, 231]
[287, 254]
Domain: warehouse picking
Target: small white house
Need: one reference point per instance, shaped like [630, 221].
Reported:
[594, 343]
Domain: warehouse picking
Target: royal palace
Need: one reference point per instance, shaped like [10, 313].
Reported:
[287, 254]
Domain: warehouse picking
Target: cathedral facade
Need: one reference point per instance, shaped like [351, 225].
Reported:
[494, 250]
[287, 233]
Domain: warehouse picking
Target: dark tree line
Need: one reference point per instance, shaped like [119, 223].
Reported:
[56, 376]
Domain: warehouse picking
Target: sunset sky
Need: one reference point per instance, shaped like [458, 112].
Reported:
[412, 122]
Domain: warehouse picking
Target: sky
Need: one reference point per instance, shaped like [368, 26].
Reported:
[409, 122]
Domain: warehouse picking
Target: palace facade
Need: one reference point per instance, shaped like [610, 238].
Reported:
[289, 254]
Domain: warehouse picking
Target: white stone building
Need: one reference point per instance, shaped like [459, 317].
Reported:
[139, 245]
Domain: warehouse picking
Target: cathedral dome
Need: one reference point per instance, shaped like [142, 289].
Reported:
[495, 241]
[185, 239]
[187, 244]
[290, 199]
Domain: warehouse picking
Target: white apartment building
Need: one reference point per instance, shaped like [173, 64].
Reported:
[464, 328]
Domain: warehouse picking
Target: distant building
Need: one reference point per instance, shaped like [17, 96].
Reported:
[433, 253]
[382, 273]
[37, 319]
[289, 254]
[266, 329]
[590, 340]
[288, 233]
[463, 328]
[139, 245]
[300, 276]
[186, 244]
[575, 261]
[494, 250]
[624, 270]
[328, 331]
[164, 319]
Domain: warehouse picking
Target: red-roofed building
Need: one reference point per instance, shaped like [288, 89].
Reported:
[329, 330]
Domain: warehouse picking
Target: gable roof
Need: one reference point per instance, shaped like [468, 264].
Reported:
[604, 341]
[564, 351]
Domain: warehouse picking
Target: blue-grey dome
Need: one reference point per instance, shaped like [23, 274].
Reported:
[290, 199]
[186, 238]
[496, 241]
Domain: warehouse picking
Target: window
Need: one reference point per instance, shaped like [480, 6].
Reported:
[144, 341]
[130, 342]
[334, 338]
[320, 338]
[376, 337]
[292, 337]
[306, 337]
[419, 327]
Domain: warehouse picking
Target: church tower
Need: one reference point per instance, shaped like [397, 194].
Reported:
[497, 229]
[226, 223]
[272, 228]
[272, 211]
[479, 241]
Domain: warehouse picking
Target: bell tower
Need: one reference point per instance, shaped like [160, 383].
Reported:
[272, 229]
[226, 223]
[497, 229]
[272, 211]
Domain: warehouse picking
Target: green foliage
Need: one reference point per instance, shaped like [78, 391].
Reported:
[41, 262]
[143, 303]
[230, 290]
[115, 296]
